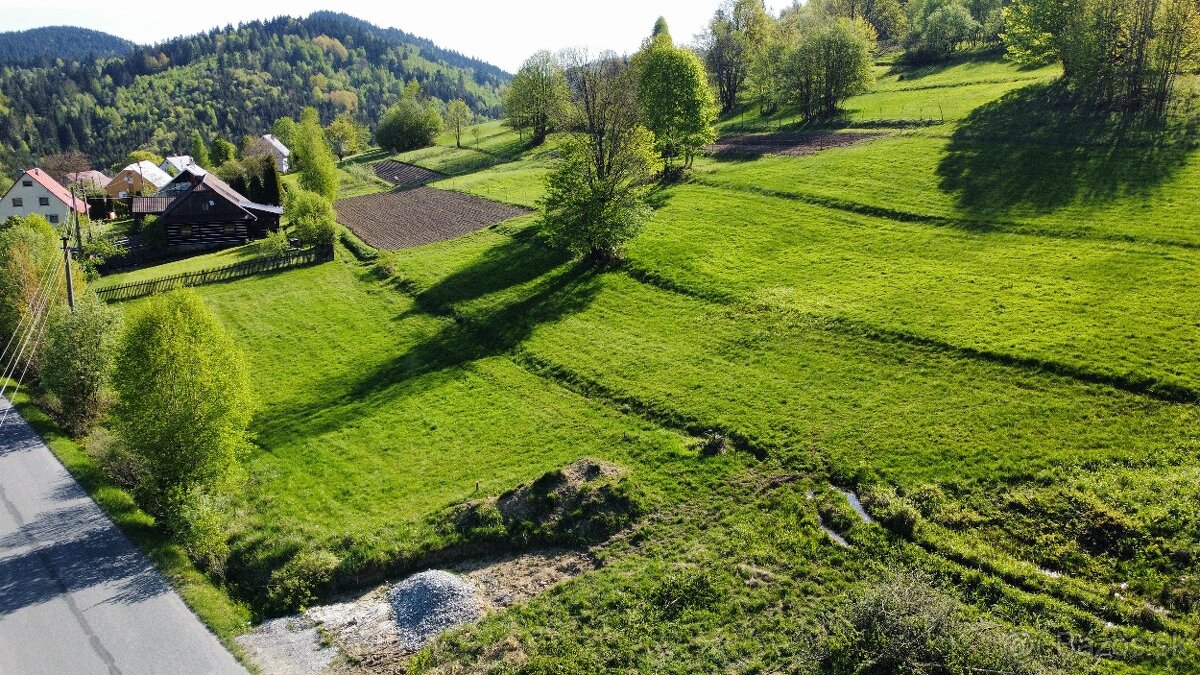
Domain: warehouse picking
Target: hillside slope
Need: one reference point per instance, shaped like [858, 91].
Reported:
[229, 82]
[69, 43]
[986, 336]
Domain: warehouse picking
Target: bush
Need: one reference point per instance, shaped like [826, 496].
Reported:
[295, 585]
[312, 218]
[356, 246]
[29, 251]
[201, 522]
[905, 625]
[184, 397]
[78, 361]
[408, 125]
[275, 243]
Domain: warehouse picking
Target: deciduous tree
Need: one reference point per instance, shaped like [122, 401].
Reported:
[730, 44]
[312, 156]
[537, 96]
[458, 117]
[346, 136]
[595, 198]
[78, 362]
[677, 103]
[184, 397]
[408, 125]
[222, 151]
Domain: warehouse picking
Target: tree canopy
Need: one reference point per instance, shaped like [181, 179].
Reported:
[537, 96]
[184, 396]
[677, 104]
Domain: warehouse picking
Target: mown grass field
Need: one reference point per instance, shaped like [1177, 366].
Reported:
[988, 336]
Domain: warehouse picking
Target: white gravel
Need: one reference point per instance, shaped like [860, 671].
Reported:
[288, 646]
[430, 603]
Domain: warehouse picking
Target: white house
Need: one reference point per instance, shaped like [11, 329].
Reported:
[176, 164]
[270, 145]
[36, 192]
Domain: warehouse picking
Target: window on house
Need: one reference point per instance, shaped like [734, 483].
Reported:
[185, 230]
[53, 219]
[230, 228]
[18, 202]
[27, 183]
[43, 201]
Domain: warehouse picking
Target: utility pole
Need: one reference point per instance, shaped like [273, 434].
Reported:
[67, 263]
[78, 233]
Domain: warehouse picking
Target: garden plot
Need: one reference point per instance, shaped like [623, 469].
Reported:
[792, 144]
[408, 218]
[404, 175]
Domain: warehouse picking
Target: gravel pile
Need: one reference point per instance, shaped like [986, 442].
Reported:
[430, 603]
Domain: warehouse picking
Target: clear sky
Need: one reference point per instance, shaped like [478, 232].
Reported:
[502, 32]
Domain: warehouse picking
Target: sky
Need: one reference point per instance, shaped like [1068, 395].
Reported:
[500, 32]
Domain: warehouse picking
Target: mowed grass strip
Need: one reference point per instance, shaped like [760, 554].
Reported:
[1114, 310]
[792, 384]
[376, 415]
[1137, 193]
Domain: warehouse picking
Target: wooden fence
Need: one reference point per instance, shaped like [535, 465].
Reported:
[141, 289]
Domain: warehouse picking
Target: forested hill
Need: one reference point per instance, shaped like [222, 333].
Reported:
[230, 82]
[60, 42]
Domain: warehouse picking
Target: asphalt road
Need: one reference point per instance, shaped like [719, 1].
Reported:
[76, 596]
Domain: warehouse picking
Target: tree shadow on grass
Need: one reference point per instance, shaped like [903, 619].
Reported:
[1039, 149]
[512, 288]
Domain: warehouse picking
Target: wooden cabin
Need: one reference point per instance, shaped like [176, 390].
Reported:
[206, 213]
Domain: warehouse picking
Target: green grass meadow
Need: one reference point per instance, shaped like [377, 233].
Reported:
[984, 321]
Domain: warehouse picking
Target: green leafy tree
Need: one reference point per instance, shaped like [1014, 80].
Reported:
[312, 218]
[31, 259]
[595, 197]
[458, 118]
[285, 130]
[677, 103]
[200, 151]
[829, 60]
[222, 152]
[939, 27]
[78, 362]
[346, 136]
[409, 125]
[730, 45]
[184, 397]
[138, 156]
[537, 96]
[313, 158]
[1127, 53]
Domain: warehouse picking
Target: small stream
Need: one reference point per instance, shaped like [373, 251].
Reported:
[857, 506]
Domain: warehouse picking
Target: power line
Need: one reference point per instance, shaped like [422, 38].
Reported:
[37, 326]
[43, 284]
[44, 320]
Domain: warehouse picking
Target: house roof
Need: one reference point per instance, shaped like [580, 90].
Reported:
[179, 162]
[274, 142]
[149, 172]
[222, 189]
[92, 177]
[61, 193]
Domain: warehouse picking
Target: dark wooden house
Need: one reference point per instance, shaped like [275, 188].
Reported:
[204, 212]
